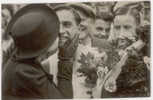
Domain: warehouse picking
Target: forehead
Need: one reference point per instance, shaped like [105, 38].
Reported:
[81, 14]
[102, 23]
[86, 21]
[124, 19]
[5, 12]
[65, 14]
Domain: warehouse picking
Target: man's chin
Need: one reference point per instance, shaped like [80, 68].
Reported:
[102, 37]
[61, 43]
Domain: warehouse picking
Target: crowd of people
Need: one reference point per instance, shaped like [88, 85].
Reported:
[76, 50]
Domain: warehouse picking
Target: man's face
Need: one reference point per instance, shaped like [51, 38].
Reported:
[68, 26]
[104, 7]
[125, 30]
[85, 26]
[145, 16]
[102, 29]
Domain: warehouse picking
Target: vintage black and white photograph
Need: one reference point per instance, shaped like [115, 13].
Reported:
[76, 50]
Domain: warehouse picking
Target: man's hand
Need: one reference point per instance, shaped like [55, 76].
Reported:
[67, 51]
[110, 85]
[98, 89]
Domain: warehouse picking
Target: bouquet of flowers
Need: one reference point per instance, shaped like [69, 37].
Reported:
[92, 66]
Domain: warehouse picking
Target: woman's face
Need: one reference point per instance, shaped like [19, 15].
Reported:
[125, 29]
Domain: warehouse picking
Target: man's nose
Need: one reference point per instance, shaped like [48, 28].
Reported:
[122, 34]
[64, 34]
[103, 32]
[62, 30]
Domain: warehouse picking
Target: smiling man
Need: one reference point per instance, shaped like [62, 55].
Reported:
[86, 28]
[69, 21]
[68, 43]
[103, 26]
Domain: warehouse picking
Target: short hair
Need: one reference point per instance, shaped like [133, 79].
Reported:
[106, 16]
[66, 7]
[133, 12]
[126, 10]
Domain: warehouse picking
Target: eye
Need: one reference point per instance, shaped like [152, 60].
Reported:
[67, 24]
[99, 28]
[117, 27]
[127, 27]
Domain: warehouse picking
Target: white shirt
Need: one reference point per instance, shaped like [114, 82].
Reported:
[53, 65]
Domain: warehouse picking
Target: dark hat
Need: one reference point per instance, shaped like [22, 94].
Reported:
[34, 29]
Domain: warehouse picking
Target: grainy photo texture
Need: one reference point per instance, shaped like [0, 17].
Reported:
[76, 50]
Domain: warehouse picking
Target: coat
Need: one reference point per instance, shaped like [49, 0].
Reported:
[133, 81]
[27, 79]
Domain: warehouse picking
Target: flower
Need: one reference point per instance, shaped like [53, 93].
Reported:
[90, 59]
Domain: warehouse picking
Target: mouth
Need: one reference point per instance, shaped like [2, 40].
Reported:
[63, 39]
[101, 36]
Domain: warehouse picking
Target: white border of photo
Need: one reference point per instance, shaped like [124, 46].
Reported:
[63, 1]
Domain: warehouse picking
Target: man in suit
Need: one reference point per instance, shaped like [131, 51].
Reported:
[67, 45]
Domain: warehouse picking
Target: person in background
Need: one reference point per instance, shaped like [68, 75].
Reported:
[104, 7]
[6, 16]
[145, 30]
[130, 76]
[7, 41]
[145, 13]
[81, 87]
[86, 28]
[103, 26]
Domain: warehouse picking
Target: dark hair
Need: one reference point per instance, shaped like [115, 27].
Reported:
[106, 16]
[66, 7]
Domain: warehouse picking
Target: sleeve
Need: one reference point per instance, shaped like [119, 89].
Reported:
[30, 82]
[133, 81]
